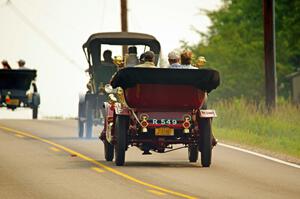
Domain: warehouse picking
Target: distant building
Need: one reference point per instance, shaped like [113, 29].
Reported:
[295, 82]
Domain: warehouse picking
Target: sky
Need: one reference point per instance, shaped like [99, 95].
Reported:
[48, 35]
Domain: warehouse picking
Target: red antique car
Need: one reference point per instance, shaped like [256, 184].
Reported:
[157, 108]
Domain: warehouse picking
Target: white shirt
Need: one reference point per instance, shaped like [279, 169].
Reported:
[179, 66]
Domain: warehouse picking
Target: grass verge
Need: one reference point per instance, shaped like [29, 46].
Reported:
[250, 125]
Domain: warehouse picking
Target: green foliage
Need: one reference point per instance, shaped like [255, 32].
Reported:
[248, 124]
[234, 46]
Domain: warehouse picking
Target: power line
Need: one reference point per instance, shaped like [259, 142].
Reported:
[47, 39]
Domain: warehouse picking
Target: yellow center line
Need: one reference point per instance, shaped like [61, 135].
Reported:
[54, 149]
[95, 162]
[97, 169]
[18, 135]
[156, 192]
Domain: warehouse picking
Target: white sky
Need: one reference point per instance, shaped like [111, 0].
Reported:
[64, 25]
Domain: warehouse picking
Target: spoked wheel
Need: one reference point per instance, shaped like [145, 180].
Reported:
[108, 151]
[35, 112]
[205, 141]
[121, 128]
[193, 152]
[89, 119]
[81, 109]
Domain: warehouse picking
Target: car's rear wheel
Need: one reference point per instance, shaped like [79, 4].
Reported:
[89, 119]
[193, 152]
[205, 141]
[81, 109]
[108, 151]
[121, 128]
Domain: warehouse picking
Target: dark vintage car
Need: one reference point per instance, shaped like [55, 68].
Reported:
[158, 108]
[90, 110]
[18, 89]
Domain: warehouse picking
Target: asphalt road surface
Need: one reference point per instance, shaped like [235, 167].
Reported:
[45, 159]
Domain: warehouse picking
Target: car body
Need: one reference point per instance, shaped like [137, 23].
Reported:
[159, 108]
[90, 108]
[18, 89]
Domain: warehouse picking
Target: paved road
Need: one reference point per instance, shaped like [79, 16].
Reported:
[45, 159]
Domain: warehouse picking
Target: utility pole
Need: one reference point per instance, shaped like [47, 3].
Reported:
[124, 25]
[270, 55]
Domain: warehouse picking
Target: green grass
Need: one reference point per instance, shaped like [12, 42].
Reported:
[249, 124]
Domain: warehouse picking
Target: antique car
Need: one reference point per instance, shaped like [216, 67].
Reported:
[18, 89]
[156, 109]
[90, 107]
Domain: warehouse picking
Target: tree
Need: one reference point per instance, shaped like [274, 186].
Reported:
[234, 46]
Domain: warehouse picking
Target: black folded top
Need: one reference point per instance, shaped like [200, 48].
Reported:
[204, 79]
[16, 79]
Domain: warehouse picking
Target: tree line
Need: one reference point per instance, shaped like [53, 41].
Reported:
[234, 45]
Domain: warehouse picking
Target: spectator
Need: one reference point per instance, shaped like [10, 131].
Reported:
[149, 60]
[5, 65]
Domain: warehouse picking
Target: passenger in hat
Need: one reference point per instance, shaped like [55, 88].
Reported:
[5, 65]
[131, 58]
[173, 59]
[149, 60]
[21, 64]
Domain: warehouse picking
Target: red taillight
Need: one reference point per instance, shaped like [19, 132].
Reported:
[7, 99]
[186, 124]
[144, 123]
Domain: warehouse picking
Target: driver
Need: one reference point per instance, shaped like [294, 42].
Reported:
[5, 65]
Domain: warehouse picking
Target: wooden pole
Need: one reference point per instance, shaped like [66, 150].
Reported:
[270, 53]
[124, 25]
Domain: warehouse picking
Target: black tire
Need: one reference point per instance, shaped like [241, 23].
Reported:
[108, 151]
[193, 152]
[81, 109]
[121, 128]
[205, 141]
[35, 112]
[89, 119]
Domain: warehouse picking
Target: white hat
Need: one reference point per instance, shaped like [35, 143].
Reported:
[173, 55]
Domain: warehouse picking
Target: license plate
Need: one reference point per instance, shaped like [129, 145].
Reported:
[14, 102]
[164, 131]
